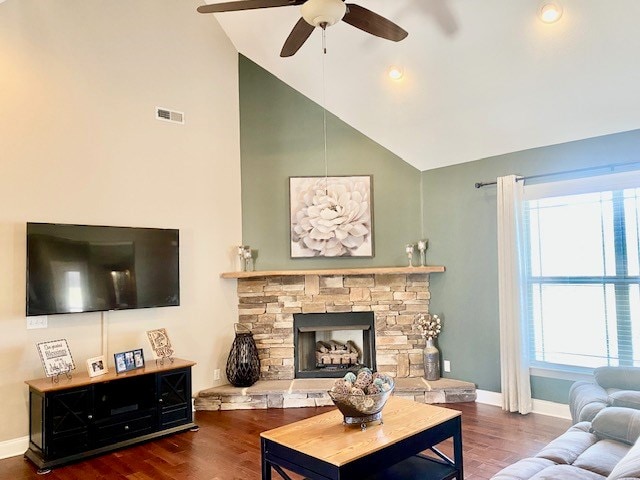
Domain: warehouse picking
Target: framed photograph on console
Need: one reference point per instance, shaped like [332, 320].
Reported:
[97, 366]
[331, 217]
[138, 358]
[129, 360]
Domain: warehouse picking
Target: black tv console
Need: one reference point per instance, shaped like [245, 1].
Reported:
[83, 416]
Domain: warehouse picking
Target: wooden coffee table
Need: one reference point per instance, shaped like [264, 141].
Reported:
[321, 447]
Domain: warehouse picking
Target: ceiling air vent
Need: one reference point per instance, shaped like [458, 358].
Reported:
[167, 115]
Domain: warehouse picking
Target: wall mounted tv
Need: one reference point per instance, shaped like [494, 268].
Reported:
[84, 268]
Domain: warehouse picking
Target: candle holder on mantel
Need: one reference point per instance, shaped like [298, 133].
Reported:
[248, 259]
[245, 255]
[242, 264]
[422, 248]
[409, 251]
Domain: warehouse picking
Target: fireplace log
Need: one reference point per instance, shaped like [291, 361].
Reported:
[323, 347]
[353, 348]
[323, 358]
[337, 357]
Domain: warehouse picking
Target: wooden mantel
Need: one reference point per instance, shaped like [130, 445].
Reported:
[336, 271]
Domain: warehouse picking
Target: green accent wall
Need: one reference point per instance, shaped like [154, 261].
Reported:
[281, 136]
[460, 223]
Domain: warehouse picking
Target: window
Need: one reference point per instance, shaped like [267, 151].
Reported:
[582, 270]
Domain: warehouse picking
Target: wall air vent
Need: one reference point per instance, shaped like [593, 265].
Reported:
[167, 115]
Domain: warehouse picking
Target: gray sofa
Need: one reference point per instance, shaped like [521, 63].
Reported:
[604, 441]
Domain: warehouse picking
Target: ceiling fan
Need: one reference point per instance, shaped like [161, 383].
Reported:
[317, 13]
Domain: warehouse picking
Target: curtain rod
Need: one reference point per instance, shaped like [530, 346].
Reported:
[611, 166]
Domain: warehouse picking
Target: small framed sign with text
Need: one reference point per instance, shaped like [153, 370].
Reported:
[56, 357]
[160, 343]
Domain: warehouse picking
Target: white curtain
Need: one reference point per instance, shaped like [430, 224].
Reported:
[514, 364]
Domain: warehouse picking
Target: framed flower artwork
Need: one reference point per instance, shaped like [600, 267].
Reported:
[331, 217]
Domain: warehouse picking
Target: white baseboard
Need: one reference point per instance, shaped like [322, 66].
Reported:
[552, 409]
[14, 447]
[542, 407]
[489, 398]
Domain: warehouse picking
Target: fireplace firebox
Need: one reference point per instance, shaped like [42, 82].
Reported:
[328, 345]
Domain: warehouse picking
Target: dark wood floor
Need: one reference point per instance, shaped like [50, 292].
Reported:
[227, 447]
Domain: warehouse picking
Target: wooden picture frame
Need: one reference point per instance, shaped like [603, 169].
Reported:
[331, 217]
[97, 366]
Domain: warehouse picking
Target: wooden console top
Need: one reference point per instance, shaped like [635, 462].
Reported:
[81, 377]
[326, 438]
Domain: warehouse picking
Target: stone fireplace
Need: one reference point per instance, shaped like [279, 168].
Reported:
[267, 305]
[328, 345]
[390, 297]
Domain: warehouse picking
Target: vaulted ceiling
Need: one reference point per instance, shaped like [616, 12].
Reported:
[481, 77]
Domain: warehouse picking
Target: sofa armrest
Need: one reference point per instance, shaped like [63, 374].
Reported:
[586, 399]
[617, 423]
[622, 378]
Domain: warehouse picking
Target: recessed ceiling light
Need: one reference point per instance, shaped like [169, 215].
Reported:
[550, 12]
[395, 73]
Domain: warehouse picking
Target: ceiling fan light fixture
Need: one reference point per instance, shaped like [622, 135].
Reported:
[323, 12]
[550, 12]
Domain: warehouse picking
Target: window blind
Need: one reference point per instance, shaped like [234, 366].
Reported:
[583, 276]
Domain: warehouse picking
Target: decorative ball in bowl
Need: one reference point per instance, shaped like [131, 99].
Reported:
[361, 397]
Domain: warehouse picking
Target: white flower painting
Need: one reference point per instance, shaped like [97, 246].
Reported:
[331, 217]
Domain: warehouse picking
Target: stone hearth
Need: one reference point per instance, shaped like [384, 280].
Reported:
[312, 392]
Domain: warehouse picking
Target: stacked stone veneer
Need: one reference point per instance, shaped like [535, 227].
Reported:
[267, 306]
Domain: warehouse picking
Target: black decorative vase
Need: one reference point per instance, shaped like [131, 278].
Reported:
[243, 364]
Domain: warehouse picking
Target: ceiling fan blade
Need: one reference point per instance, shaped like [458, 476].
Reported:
[296, 38]
[246, 5]
[373, 23]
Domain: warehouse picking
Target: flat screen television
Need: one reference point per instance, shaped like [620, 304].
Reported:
[85, 268]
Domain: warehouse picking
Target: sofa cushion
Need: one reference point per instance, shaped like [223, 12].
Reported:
[621, 424]
[623, 378]
[629, 466]
[570, 445]
[602, 457]
[625, 398]
[566, 472]
[523, 469]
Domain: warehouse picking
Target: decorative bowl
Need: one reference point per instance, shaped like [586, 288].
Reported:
[361, 409]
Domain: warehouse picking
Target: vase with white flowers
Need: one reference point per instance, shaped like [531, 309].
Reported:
[429, 327]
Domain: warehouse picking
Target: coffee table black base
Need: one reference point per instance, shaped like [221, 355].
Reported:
[399, 461]
[417, 467]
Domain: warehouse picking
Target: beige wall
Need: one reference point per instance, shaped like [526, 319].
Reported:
[79, 81]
